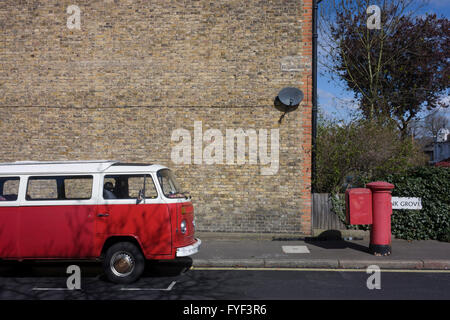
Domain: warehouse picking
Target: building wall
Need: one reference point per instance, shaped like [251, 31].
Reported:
[138, 71]
[441, 151]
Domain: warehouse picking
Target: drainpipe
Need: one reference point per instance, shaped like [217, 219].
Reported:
[314, 94]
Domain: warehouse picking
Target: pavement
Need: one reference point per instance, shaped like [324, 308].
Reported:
[293, 251]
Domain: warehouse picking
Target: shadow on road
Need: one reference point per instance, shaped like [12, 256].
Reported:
[56, 269]
[161, 280]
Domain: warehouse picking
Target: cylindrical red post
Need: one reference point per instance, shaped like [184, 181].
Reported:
[380, 234]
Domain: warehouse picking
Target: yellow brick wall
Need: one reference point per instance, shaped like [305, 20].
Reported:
[138, 70]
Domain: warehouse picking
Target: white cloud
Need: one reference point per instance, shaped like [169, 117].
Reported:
[342, 107]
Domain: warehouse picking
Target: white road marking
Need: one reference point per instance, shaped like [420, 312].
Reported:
[150, 289]
[295, 249]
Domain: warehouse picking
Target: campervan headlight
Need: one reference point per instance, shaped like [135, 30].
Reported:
[183, 226]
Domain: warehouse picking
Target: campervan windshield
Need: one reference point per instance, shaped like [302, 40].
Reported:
[169, 185]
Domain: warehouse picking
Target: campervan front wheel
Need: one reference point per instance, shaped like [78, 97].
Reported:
[123, 263]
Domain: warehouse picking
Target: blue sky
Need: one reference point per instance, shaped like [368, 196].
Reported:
[335, 101]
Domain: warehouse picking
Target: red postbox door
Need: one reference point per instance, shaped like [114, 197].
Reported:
[358, 206]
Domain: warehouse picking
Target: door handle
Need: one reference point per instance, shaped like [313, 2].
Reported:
[103, 215]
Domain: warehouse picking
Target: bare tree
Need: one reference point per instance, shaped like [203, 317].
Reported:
[426, 128]
[394, 69]
[434, 122]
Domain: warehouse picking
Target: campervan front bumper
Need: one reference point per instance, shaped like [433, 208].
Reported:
[189, 250]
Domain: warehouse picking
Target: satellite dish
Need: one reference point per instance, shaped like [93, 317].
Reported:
[288, 100]
[290, 97]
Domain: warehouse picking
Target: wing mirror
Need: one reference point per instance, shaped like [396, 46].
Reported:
[141, 196]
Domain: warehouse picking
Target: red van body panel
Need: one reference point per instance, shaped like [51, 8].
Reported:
[149, 224]
[60, 231]
[56, 231]
[9, 232]
[185, 211]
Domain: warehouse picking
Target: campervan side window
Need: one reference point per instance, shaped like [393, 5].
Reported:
[59, 188]
[123, 186]
[9, 188]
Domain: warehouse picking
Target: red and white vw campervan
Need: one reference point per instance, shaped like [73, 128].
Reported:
[120, 213]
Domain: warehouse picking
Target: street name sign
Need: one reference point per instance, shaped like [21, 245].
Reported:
[406, 203]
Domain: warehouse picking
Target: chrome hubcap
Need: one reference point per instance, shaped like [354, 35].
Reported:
[122, 264]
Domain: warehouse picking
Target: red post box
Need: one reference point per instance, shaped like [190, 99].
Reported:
[380, 234]
[358, 206]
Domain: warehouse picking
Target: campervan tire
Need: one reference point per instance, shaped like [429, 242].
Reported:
[123, 263]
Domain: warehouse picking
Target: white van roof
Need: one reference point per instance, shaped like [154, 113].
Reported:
[74, 167]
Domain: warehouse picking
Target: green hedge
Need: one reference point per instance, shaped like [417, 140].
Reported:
[432, 184]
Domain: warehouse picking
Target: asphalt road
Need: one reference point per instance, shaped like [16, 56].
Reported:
[176, 281]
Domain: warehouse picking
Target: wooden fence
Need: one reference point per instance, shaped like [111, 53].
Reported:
[323, 216]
